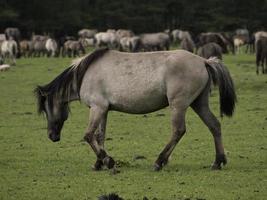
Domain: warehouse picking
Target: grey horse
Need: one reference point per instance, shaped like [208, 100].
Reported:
[188, 44]
[154, 41]
[73, 48]
[211, 49]
[87, 33]
[138, 83]
[131, 44]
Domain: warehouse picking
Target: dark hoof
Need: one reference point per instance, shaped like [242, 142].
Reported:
[114, 171]
[160, 163]
[157, 167]
[98, 165]
[219, 161]
[109, 162]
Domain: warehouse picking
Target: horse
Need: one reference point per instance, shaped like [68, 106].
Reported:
[124, 33]
[261, 54]
[218, 38]
[138, 83]
[73, 48]
[87, 33]
[131, 44]
[155, 41]
[211, 49]
[239, 41]
[258, 35]
[51, 47]
[179, 35]
[9, 50]
[39, 48]
[87, 42]
[25, 48]
[188, 44]
[108, 39]
[14, 33]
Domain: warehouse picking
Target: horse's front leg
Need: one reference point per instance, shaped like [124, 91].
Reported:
[98, 119]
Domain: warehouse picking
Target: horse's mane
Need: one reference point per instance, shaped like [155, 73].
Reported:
[68, 81]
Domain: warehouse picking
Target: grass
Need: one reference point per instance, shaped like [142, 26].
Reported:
[32, 167]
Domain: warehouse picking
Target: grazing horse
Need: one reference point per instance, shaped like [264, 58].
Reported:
[138, 83]
[73, 48]
[188, 44]
[219, 38]
[9, 50]
[211, 49]
[261, 54]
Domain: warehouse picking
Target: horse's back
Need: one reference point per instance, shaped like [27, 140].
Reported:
[139, 82]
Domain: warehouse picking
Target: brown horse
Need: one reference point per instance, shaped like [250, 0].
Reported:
[138, 83]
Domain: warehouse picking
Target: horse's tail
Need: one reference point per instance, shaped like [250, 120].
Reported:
[221, 77]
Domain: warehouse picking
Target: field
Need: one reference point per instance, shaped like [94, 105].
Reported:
[32, 167]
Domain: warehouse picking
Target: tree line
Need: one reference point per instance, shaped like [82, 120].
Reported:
[67, 16]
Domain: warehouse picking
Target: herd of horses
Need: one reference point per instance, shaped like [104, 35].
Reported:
[209, 44]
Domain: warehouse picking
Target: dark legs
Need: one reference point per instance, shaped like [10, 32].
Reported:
[201, 107]
[178, 130]
[95, 136]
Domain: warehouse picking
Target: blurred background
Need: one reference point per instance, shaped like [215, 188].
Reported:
[67, 17]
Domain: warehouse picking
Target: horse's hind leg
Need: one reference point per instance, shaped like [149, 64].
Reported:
[98, 114]
[201, 107]
[178, 130]
[100, 138]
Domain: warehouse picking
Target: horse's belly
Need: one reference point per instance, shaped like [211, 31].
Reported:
[138, 104]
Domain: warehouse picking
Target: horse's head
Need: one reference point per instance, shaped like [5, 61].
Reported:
[56, 113]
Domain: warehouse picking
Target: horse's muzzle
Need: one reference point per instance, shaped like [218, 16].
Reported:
[54, 137]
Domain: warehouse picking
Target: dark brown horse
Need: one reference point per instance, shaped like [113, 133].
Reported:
[261, 54]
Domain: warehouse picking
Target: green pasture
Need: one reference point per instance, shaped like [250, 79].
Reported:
[33, 167]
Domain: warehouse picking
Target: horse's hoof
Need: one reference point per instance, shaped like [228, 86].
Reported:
[109, 162]
[157, 167]
[98, 165]
[114, 171]
[220, 160]
[215, 166]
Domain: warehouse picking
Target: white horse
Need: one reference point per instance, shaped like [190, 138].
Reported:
[238, 43]
[51, 47]
[108, 39]
[9, 50]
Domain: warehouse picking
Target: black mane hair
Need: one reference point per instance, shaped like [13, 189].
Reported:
[111, 196]
[68, 81]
